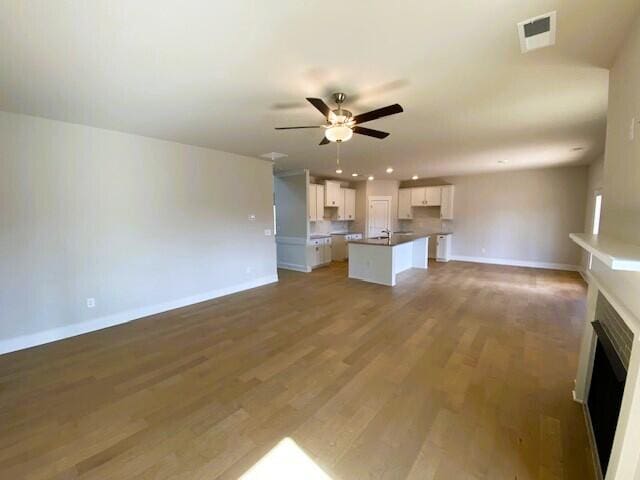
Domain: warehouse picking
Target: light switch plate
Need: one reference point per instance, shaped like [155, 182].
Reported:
[252, 217]
[267, 232]
[632, 129]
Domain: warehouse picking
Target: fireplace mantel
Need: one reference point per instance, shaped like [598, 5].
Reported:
[613, 253]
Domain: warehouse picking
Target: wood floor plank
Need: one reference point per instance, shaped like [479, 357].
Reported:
[463, 371]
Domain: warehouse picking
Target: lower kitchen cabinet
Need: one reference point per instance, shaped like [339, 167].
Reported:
[319, 252]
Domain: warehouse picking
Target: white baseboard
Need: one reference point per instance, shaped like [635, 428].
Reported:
[294, 266]
[47, 336]
[517, 263]
[575, 397]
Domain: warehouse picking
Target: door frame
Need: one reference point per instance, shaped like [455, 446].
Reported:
[388, 198]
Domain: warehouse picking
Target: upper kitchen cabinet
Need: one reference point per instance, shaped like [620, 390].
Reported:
[311, 202]
[441, 196]
[425, 196]
[349, 204]
[404, 204]
[333, 194]
[315, 201]
[319, 202]
[446, 209]
[433, 196]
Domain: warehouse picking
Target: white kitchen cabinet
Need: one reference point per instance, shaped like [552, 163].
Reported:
[349, 204]
[319, 251]
[425, 196]
[311, 202]
[332, 193]
[319, 202]
[417, 196]
[326, 251]
[404, 204]
[316, 202]
[446, 209]
[433, 196]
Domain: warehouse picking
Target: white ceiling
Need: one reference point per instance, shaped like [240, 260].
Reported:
[218, 74]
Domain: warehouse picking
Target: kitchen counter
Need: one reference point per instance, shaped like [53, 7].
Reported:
[396, 239]
[316, 236]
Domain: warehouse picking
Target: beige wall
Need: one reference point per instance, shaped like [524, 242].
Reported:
[621, 220]
[292, 211]
[621, 200]
[525, 216]
[134, 222]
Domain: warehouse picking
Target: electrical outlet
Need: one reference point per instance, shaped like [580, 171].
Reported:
[91, 302]
[249, 269]
[267, 232]
[484, 250]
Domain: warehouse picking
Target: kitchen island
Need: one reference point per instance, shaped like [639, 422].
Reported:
[380, 260]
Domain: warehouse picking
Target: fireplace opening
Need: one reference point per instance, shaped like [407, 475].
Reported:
[608, 377]
[605, 395]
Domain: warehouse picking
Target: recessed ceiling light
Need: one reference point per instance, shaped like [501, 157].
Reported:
[354, 174]
[370, 177]
[502, 162]
[389, 170]
[339, 171]
[577, 149]
[415, 177]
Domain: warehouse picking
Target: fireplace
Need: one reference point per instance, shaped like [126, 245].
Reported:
[612, 350]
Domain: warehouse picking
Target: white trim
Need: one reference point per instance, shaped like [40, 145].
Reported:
[47, 336]
[517, 263]
[294, 266]
[291, 240]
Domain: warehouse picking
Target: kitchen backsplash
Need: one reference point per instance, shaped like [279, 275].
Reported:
[426, 219]
[327, 226]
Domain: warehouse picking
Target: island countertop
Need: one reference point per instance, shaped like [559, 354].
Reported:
[395, 240]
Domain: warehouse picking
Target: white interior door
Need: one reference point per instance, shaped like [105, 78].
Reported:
[379, 216]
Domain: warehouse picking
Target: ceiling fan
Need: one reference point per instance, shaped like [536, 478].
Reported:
[341, 124]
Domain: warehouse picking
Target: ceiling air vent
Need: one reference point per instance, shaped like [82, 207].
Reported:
[537, 32]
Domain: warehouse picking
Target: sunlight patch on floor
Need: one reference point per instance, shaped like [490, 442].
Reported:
[285, 461]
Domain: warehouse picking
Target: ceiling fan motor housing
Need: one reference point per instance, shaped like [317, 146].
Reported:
[339, 97]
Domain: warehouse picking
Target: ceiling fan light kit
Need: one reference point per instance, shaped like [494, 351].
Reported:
[338, 133]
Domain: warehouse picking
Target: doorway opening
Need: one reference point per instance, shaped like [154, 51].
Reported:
[597, 209]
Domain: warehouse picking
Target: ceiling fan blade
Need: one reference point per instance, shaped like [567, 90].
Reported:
[324, 141]
[293, 128]
[379, 113]
[320, 105]
[370, 132]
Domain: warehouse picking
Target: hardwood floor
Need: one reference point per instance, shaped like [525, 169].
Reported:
[463, 371]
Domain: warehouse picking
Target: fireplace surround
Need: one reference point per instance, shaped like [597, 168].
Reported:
[615, 434]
